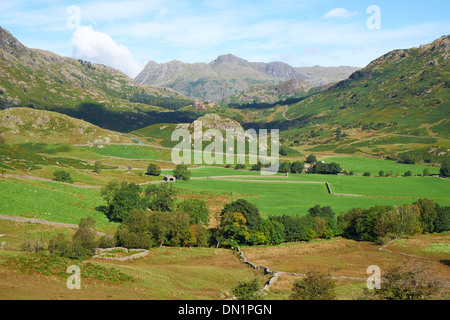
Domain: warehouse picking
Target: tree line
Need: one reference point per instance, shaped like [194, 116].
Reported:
[155, 217]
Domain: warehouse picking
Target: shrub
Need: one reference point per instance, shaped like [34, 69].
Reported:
[181, 172]
[127, 239]
[311, 159]
[121, 199]
[248, 290]
[197, 210]
[442, 221]
[325, 168]
[367, 174]
[32, 243]
[314, 287]
[408, 173]
[257, 167]
[285, 167]
[153, 170]
[248, 210]
[85, 234]
[62, 176]
[81, 246]
[445, 169]
[407, 282]
[97, 166]
[58, 244]
[107, 241]
[297, 167]
[161, 197]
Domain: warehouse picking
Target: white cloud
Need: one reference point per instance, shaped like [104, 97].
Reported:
[338, 13]
[99, 47]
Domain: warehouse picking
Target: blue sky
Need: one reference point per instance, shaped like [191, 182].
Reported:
[128, 34]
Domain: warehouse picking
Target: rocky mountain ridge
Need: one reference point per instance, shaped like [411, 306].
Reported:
[228, 75]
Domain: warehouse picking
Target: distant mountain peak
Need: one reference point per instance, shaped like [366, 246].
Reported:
[225, 76]
[229, 58]
[10, 44]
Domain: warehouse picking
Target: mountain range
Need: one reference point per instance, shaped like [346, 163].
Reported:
[228, 74]
[404, 93]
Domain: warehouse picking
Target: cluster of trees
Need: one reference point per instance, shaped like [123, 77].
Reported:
[178, 228]
[325, 168]
[294, 167]
[153, 216]
[241, 223]
[386, 222]
[82, 244]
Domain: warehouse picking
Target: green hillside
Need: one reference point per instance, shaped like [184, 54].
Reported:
[95, 93]
[399, 103]
[404, 91]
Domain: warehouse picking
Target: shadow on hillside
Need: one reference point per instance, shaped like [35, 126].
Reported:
[446, 262]
[123, 121]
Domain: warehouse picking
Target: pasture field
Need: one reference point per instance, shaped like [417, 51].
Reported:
[347, 258]
[361, 165]
[206, 273]
[391, 187]
[132, 152]
[215, 172]
[276, 198]
[165, 274]
[51, 201]
[210, 273]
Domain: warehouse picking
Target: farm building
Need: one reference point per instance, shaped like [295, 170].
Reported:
[169, 178]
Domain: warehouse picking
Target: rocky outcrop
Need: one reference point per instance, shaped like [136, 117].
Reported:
[107, 254]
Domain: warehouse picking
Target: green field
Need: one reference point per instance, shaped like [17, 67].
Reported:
[216, 172]
[132, 152]
[278, 198]
[51, 201]
[361, 165]
[66, 203]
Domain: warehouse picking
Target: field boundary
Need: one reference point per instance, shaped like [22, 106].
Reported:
[45, 222]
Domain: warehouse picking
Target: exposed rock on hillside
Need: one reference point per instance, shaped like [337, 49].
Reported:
[229, 74]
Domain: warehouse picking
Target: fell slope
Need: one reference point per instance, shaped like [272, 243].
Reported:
[97, 93]
[406, 91]
[400, 97]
